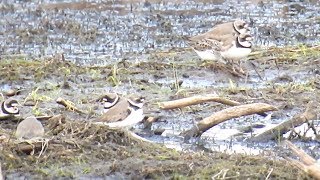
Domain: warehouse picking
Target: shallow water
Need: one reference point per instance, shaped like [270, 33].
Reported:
[97, 33]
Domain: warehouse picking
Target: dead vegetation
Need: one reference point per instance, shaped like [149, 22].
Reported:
[74, 147]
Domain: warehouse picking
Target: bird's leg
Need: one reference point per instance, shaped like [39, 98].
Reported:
[231, 63]
[240, 68]
[223, 60]
[236, 67]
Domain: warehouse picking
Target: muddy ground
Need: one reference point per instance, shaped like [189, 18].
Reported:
[81, 50]
[79, 149]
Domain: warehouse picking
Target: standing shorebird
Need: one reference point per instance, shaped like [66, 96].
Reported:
[9, 108]
[222, 31]
[239, 48]
[120, 111]
[227, 43]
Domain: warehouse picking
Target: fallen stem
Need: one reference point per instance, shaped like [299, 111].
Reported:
[282, 128]
[196, 100]
[307, 164]
[226, 114]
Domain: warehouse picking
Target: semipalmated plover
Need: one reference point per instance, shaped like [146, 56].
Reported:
[117, 108]
[226, 42]
[9, 108]
[240, 48]
[222, 31]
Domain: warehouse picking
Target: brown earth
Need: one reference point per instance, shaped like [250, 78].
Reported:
[79, 149]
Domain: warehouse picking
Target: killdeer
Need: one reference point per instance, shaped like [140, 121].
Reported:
[29, 128]
[120, 111]
[223, 42]
[9, 108]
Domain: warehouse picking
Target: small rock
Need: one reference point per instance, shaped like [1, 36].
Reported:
[185, 75]
[29, 128]
[11, 92]
[29, 103]
[158, 131]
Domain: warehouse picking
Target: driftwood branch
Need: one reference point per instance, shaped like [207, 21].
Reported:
[197, 100]
[225, 115]
[282, 128]
[69, 105]
[28, 148]
[306, 163]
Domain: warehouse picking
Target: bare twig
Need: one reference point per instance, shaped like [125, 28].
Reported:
[308, 164]
[43, 118]
[196, 100]
[269, 174]
[309, 114]
[225, 115]
[69, 105]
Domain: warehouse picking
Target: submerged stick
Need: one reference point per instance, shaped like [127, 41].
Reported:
[69, 105]
[225, 115]
[282, 128]
[196, 100]
[307, 164]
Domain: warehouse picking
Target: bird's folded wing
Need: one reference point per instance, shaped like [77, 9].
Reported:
[207, 44]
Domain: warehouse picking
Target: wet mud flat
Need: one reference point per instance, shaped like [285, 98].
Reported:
[288, 79]
[82, 50]
[79, 150]
[99, 33]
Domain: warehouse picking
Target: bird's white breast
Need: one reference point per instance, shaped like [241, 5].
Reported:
[236, 53]
[210, 55]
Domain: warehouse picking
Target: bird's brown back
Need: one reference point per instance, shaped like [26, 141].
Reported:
[219, 32]
[117, 112]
